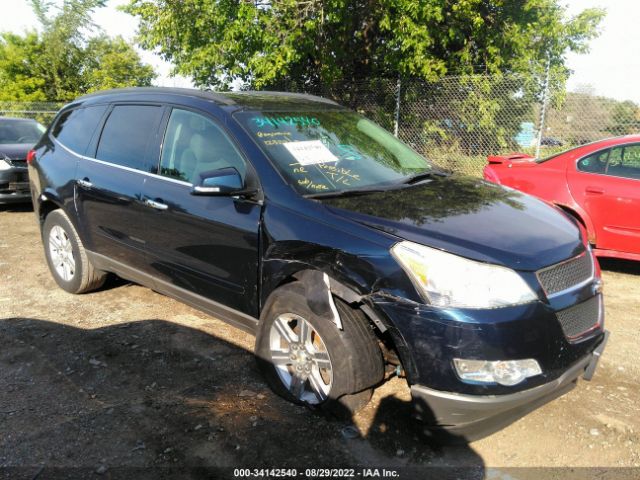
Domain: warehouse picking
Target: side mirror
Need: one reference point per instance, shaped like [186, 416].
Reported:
[224, 181]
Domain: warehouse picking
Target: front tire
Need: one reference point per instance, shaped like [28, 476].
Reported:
[66, 256]
[306, 359]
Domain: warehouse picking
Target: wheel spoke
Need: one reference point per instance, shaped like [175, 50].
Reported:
[317, 385]
[280, 358]
[54, 242]
[67, 270]
[296, 387]
[321, 359]
[285, 330]
[305, 332]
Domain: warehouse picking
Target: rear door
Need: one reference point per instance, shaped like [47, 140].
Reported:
[607, 185]
[109, 183]
[72, 132]
[206, 245]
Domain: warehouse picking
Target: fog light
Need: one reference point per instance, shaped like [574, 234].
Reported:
[504, 372]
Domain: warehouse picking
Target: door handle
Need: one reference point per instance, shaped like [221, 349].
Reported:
[84, 183]
[594, 190]
[157, 205]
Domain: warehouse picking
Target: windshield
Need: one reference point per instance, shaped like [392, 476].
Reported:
[20, 131]
[332, 151]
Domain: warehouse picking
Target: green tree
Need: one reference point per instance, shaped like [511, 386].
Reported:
[65, 59]
[267, 43]
[625, 119]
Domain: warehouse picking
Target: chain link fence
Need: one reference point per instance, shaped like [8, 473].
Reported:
[43, 112]
[459, 120]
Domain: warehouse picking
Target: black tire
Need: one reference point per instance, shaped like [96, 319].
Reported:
[85, 277]
[356, 359]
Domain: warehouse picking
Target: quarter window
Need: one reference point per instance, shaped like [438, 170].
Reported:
[594, 163]
[194, 144]
[75, 128]
[127, 135]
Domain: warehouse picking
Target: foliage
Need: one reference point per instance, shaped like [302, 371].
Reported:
[265, 43]
[64, 60]
[584, 117]
[625, 119]
[495, 51]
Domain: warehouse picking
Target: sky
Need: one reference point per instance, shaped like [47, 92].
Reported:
[610, 69]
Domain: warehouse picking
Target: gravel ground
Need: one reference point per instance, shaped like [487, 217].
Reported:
[127, 378]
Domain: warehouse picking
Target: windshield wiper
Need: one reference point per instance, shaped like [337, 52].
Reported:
[418, 177]
[346, 193]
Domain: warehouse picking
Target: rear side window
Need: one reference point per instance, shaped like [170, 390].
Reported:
[625, 162]
[127, 135]
[75, 128]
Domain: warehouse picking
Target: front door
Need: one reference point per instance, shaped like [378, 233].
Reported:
[203, 244]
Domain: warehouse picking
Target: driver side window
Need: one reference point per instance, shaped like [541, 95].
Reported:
[193, 144]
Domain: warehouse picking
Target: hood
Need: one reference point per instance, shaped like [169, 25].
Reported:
[471, 218]
[15, 151]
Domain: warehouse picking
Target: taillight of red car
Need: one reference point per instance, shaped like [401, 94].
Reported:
[31, 156]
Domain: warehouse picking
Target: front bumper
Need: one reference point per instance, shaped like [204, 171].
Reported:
[470, 417]
[15, 197]
[14, 186]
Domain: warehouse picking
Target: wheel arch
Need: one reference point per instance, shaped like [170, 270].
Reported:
[581, 216]
[45, 208]
[320, 302]
[47, 202]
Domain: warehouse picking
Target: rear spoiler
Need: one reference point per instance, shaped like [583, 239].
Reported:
[512, 157]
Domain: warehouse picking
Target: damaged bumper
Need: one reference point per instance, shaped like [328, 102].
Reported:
[471, 417]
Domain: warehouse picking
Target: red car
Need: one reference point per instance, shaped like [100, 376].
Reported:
[598, 183]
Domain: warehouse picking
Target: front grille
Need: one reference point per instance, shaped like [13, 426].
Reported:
[581, 318]
[565, 275]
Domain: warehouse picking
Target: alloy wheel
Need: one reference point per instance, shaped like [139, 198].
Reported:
[301, 358]
[61, 253]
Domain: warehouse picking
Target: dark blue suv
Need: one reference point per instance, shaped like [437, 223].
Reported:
[347, 254]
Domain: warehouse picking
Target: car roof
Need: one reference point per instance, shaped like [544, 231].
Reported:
[588, 148]
[249, 100]
[611, 141]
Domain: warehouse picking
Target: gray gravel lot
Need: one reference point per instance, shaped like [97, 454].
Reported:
[125, 377]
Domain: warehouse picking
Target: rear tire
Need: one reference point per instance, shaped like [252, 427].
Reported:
[306, 359]
[66, 256]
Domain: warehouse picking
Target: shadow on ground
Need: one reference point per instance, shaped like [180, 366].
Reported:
[16, 207]
[170, 401]
[620, 266]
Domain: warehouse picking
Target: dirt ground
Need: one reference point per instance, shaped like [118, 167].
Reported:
[127, 383]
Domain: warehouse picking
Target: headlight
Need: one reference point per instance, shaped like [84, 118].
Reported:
[504, 372]
[451, 281]
[4, 165]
